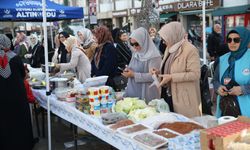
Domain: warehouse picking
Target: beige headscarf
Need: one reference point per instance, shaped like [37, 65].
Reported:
[70, 42]
[148, 47]
[174, 35]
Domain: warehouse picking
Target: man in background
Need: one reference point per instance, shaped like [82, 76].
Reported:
[215, 44]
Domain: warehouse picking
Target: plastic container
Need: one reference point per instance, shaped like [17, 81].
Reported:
[104, 97]
[150, 140]
[95, 112]
[104, 90]
[94, 100]
[104, 108]
[93, 91]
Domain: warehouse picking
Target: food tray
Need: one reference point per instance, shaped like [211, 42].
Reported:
[181, 127]
[130, 130]
[167, 131]
[121, 124]
[149, 140]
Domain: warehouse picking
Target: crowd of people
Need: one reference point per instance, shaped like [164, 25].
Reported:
[130, 62]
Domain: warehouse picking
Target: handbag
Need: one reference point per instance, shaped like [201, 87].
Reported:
[229, 106]
[120, 82]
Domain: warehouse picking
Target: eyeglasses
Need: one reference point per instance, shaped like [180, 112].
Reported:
[123, 31]
[236, 40]
[32, 38]
[134, 44]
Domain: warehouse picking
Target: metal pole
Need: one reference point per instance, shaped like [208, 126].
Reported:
[204, 32]
[51, 35]
[46, 69]
[89, 25]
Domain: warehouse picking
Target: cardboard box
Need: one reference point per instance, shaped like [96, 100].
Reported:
[219, 137]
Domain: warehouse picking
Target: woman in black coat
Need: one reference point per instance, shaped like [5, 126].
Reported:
[36, 54]
[62, 52]
[15, 127]
[105, 58]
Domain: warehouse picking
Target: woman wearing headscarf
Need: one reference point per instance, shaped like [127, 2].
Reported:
[87, 42]
[232, 74]
[36, 54]
[145, 56]
[21, 46]
[105, 58]
[62, 56]
[78, 60]
[15, 123]
[181, 71]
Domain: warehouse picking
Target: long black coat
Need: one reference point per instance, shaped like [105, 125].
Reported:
[15, 125]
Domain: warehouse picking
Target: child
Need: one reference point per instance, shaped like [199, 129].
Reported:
[30, 96]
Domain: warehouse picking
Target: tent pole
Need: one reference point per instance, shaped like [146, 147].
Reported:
[204, 32]
[51, 35]
[46, 70]
[12, 30]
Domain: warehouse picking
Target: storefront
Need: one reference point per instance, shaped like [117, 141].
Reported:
[188, 12]
[105, 18]
[168, 13]
[233, 16]
[120, 18]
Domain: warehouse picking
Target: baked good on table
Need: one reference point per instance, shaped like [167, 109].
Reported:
[165, 133]
[181, 127]
[133, 129]
[121, 123]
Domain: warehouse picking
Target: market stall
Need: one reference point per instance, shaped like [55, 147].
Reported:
[123, 124]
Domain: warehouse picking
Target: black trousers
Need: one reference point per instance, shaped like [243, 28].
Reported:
[167, 98]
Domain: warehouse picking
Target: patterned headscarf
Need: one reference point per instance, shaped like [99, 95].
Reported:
[5, 43]
[5, 56]
[88, 37]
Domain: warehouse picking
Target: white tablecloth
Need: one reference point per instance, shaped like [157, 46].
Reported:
[88, 123]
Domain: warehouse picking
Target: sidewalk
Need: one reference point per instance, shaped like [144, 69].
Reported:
[61, 134]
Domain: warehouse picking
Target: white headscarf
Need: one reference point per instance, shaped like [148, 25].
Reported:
[88, 37]
[30, 43]
[148, 50]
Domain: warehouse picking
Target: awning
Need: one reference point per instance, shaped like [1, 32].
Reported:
[231, 10]
[31, 10]
[165, 16]
[195, 12]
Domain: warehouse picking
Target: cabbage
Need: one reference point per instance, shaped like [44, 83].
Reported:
[129, 104]
[119, 106]
[140, 114]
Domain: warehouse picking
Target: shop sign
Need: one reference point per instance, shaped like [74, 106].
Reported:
[168, 7]
[192, 5]
[189, 5]
[92, 12]
[120, 13]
